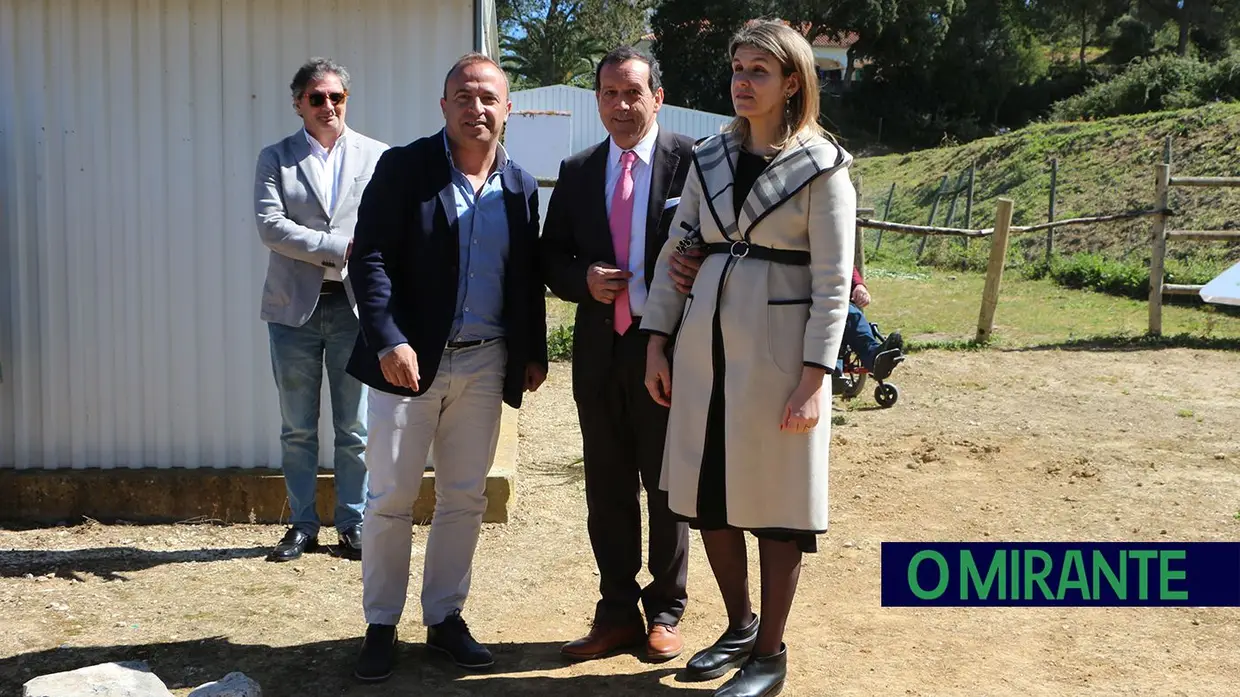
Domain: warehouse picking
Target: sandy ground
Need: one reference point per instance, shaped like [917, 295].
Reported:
[1037, 445]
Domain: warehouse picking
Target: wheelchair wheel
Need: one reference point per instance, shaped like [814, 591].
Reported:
[886, 395]
[852, 385]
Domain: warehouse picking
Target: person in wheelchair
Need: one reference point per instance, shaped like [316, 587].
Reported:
[878, 358]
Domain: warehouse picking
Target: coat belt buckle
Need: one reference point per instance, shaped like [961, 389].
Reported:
[744, 252]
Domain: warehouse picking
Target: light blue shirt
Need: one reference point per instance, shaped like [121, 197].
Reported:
[482, 222]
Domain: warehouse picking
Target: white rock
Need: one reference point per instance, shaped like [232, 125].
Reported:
[231, 685]
[128, 679]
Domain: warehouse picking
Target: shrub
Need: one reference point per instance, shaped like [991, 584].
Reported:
[1155, 84]
[560, 343]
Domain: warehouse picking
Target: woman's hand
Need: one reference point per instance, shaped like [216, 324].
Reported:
[801, 413]
[658, 371]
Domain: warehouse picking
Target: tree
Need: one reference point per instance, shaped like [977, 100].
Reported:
[616, 22]
[1209, 23]
[1085, 20]
[697, 48]
[558, 42]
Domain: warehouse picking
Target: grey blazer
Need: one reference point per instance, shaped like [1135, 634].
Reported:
[293, 222]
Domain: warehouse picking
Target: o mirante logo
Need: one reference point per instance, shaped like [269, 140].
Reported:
[1060, 573]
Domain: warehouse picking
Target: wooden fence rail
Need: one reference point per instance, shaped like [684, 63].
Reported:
[1161, 235]
[986, 232]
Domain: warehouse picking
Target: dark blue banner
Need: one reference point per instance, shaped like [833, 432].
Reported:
[1043, 574]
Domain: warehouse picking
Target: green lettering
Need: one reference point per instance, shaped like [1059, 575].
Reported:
[969, 576]
[944, 575]
[1101, 567]
[1038, 577]
[1014, 593]
[1073, 561]
[1166, 574]
[1143, 572]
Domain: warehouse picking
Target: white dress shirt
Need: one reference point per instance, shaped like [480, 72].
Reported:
[326, 167]
[642, 168]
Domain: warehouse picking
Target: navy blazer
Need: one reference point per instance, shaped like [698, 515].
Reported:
[405, 263]
[577, 234]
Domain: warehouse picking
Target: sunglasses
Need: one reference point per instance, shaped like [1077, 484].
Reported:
[318, 99]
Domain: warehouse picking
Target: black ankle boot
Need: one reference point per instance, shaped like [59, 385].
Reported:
[729, 651]
[761, 676]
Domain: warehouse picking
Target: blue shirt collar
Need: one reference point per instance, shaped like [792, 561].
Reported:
[501, 155]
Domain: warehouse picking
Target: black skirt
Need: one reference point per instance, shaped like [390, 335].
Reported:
[712, 499]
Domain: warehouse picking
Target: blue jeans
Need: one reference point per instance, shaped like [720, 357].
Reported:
[297, 358]
[859, 336]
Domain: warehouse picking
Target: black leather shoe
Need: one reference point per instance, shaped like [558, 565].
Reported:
[374, 663]
[729, 651]
[761, 676]
[294, 543]
[452, 637]
[350, 546]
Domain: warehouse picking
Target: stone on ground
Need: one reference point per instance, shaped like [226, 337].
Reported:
[231, 685]
[127, 679]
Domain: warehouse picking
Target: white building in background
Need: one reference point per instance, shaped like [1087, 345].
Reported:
[131, 267]
[585, 128]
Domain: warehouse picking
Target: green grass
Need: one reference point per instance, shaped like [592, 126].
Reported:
[1105, 166]
[938, 309]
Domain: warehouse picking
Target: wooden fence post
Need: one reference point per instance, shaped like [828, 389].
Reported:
[1050, 216]
[859, 243]
[994, 271]
[1159, 254]
[968, 203]
[886, 215]
[934, 211]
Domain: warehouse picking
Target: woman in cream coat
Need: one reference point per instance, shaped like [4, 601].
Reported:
[771, 201]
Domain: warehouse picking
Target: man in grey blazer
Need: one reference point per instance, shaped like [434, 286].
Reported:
[306, 193]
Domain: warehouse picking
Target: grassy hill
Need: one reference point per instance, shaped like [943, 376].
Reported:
[1105, 166]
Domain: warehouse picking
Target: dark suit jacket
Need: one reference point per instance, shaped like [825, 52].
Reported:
[405, 263]
[577, 234]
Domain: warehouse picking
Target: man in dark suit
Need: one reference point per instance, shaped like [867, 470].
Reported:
[453, 325]
[606, 222]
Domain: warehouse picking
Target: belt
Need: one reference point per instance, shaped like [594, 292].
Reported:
[741, 249]
[330, 287]
[469, 344]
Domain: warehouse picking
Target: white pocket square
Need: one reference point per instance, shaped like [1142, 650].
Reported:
[671, 202]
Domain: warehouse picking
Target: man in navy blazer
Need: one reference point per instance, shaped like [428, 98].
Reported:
[453, 325]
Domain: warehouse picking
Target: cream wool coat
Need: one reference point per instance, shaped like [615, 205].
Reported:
[774, 319]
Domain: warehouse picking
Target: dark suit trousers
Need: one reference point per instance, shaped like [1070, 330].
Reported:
[623, 431]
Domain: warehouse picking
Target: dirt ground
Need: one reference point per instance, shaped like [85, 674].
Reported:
[1036, 445]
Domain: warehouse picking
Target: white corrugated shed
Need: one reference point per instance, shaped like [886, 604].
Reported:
[587, 129]
[132, 270]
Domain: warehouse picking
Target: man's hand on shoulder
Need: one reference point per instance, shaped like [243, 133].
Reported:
[684, 269]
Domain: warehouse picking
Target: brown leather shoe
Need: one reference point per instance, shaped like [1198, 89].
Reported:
[663, 643]
[605, 640]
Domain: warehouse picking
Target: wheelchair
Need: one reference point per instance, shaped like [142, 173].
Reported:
[851, 381]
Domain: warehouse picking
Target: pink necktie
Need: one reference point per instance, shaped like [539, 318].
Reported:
[621, 229]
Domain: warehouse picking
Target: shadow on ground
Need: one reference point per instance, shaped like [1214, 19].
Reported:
[325, 668]
[110, 563]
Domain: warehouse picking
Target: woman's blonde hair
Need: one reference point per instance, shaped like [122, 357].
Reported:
[794, 55]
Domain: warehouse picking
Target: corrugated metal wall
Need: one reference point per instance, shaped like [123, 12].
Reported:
[129, 330]
[588, 130]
